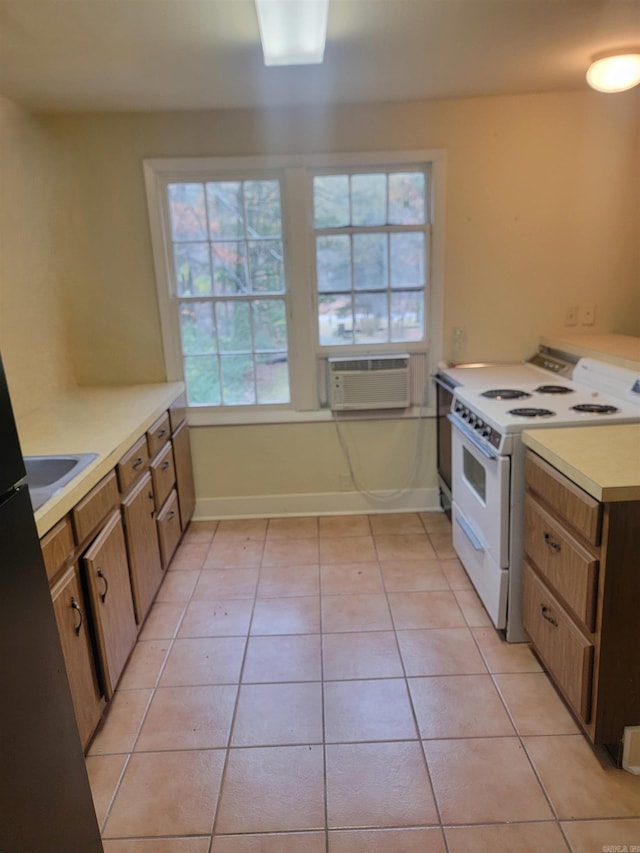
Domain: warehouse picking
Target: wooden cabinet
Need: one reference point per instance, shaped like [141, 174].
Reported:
[73, 626]
[57, 547]
[158, 434]
[105, 560]
[581, 588]
[184, 473]
[89, 513]
[169, 528]
[163, 475]
[138, 510]
[134, 463]
[107, 573]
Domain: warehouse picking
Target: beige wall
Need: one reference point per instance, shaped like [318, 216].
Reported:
[33, 340]
[541, 213]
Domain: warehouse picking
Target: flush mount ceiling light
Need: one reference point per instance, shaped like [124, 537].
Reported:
[615, 72]
[292, 32]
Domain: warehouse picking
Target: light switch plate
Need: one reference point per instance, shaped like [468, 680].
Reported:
[571, 315]
[587, 314]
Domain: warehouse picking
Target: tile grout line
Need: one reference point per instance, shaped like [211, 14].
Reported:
[237, 699]
[171, 641]
[412, 706]
[518, 735]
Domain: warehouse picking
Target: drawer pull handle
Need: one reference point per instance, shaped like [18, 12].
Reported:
[546, 614]
[161, 433]
[171, 515]
[555, 546]
[137, 463]
[164, 465]
[77, 628]
[103, 594]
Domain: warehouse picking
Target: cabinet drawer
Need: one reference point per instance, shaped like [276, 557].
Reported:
[569, 568]
[95, 507]
[565, 651]
[178, 412]
[158, 434]
[133, 464]
[57, 546]
[169, 528]
[163, 474]
[575, 506]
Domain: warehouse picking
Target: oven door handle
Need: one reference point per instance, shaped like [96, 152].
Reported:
[468, 532]
[471, 436]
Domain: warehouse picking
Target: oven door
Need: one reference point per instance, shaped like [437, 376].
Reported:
[481, 482]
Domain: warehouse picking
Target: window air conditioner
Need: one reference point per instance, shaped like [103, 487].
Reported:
[378, 382]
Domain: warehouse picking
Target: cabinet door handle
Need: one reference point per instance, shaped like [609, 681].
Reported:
[137, 463]
[102, 577]
[555, 546]
[75, 606]
[546, 614]
[161, 433]
[171, 515]
[164, 465]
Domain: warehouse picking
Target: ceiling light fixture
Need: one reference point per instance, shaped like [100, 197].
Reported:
[615, 72]
[292, 32]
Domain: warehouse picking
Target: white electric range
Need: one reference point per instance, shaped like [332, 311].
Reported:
[488, 486]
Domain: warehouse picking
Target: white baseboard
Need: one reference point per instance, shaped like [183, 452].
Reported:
[329, 503]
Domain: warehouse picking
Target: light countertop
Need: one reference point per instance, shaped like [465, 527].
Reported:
[623, 350]
[104, 420]
[602, 460]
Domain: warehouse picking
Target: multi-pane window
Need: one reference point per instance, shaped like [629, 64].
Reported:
[371, 256]
[266, 266]
[229, 273]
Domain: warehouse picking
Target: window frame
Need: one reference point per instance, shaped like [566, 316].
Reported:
[295, 173]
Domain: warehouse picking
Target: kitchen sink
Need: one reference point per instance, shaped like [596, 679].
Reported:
[46, 475]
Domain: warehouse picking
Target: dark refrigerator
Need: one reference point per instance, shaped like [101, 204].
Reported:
[45, 799]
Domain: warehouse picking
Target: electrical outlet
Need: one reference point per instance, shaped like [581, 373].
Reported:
[571, 315]
[345, 482]
[587, 314]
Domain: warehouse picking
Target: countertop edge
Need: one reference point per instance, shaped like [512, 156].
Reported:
[40, 434]
[575, 461]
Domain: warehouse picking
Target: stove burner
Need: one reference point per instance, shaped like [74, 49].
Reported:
[504, 394]
[554, 389]
[595, 409]
[531, 412]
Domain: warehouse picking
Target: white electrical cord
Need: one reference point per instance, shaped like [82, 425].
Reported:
[387, 498]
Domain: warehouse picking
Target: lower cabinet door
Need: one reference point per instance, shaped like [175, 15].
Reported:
[184, 473]
[107, 572]
[565, 650]
[71, 617]
[169, 528]
[142, 545]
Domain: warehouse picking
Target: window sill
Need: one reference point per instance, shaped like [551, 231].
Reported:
[204, 417]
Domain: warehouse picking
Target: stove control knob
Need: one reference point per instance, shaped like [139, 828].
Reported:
[472, 419]
[486, 432]
[479, 423]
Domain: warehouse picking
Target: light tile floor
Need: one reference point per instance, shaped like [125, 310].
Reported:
[333, 685]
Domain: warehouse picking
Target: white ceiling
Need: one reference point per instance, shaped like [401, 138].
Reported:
[78, 55]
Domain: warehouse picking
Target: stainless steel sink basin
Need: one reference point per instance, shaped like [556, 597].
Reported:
[46, 475]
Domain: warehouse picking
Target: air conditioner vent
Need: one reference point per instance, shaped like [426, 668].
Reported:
[378, 382]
